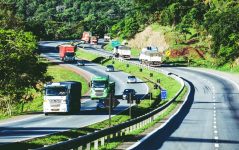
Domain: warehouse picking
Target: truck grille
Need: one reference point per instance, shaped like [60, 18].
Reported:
[55, 101]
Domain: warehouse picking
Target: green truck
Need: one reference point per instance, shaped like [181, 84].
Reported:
[103, 89]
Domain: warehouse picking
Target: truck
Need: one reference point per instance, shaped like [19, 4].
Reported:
[106, 38]
[62, 97]
[122, 51]
[67, 53]
[103, 89]
[86, 36]
[94, 40]
[150, 56]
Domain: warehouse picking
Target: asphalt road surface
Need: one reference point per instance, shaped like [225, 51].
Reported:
[40, 125]
[212, 121]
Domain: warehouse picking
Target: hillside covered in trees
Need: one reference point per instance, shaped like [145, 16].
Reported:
[214, 21]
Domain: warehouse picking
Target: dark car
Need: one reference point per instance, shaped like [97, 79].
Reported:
[80, 63]
[127, 92]
[110, 68]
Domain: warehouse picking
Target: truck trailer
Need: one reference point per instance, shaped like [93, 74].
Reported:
[150, 56]
[62, 97]
[86, 36]
[122, 51]
[67, 53]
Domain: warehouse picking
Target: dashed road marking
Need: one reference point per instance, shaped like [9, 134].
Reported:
[216, 145]
[215, 131]
[216, 137]
[214, 127]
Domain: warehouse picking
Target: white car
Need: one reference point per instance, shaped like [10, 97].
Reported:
[131, 79]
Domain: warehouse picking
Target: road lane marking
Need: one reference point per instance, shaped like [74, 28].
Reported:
[216, 137]
[215, 127]
[215, 131]
[217, 145]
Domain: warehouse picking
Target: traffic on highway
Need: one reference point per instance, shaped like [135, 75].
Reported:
[209, 121]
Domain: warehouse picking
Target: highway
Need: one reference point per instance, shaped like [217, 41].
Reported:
[211, 122]
[40, 125]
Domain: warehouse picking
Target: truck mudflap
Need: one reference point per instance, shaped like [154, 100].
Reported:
[105, 103]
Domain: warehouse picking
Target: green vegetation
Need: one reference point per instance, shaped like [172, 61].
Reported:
[21, 71]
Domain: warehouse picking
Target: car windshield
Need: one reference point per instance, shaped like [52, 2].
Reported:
[127, 91]
[131, 77]
[109, 66]
[56, 91]
[70, 54]
[99, 84]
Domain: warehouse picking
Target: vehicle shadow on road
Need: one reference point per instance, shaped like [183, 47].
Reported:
[157, 139]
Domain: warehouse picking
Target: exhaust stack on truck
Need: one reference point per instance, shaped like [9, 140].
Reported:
[62, 97]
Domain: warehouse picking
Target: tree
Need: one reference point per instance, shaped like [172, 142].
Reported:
[20, 68]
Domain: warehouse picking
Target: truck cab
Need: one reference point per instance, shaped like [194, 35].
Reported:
[103, 90]
[67, 53]
[62, 97]
[100, 87]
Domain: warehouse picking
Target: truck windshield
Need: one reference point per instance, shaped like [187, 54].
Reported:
[56, 91]
[70, 54]
[98, 84]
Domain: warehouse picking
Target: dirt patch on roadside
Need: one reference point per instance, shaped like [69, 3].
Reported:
[149, 37]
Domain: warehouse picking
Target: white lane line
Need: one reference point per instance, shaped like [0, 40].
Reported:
[216, 137]
[215, 122]
[214, 104]
[216, 145]
[214, 115]
[215, 131]
[214, 111]
[214, 127]
[214, 107]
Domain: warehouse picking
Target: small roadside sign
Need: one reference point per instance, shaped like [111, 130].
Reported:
[115, 43]
[168, 53]
[163, 94]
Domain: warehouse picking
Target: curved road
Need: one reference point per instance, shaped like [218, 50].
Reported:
[40, 125]
[212, 122]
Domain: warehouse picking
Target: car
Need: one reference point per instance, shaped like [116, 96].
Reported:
[80, 63]
[131, 79]
[126, 93]
[110, 68]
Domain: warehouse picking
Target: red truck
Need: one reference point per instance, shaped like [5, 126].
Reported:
[86, 36]
[67, 52]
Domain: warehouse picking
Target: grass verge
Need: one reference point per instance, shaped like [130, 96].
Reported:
[144, 107]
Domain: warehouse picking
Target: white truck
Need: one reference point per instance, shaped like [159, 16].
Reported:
[62, 97]
[150, 56]
[122, 51]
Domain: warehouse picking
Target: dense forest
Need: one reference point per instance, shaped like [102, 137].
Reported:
[67, 19]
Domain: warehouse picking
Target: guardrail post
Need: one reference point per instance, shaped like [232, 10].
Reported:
[96, 144]
[88, 146]
[80, 148]
[102, 141]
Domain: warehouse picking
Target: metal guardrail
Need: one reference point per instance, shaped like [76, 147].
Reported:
[100, 137]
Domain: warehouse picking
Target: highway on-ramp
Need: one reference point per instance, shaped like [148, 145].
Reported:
[40, 125]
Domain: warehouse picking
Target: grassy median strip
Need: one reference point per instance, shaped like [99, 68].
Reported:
[144, 107]
[114, 143]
